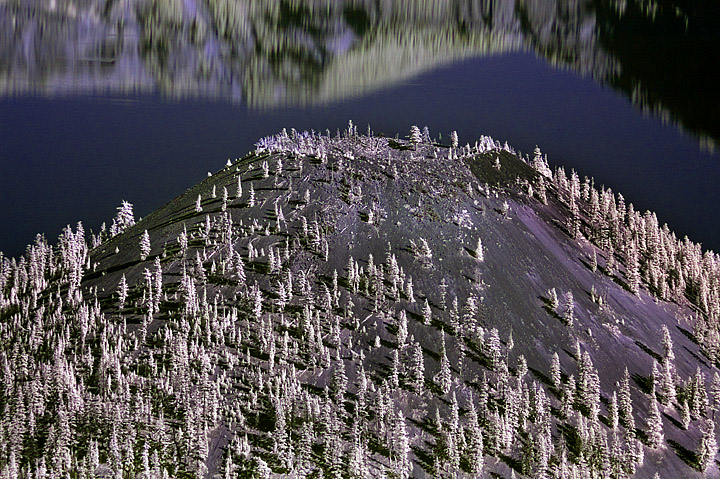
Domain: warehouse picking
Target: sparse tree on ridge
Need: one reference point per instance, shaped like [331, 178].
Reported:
[415, 135]
[124, 219]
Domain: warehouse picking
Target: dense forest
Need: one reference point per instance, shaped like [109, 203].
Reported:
[353, 305]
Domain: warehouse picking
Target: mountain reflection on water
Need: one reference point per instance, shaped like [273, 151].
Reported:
[663, 55]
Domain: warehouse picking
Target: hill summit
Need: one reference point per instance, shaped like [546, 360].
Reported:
[347, 305]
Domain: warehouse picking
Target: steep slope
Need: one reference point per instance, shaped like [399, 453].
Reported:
[358, 305]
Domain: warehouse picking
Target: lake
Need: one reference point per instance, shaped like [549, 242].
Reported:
[104, 101]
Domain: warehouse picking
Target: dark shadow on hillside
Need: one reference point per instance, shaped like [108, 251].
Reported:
[687, 456]
[648, 351]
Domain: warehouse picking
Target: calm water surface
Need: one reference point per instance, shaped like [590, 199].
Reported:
[93, 113]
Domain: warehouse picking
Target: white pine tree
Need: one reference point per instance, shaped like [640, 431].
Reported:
[655, 433]
[568, 312]
[444, 376]
[251, 196]
[415, 135]
[708, 446]
[124, 219]
[553, 298]
[625, 403]
[479, 254]
[122, 292]
[427, 313]
[402, 329]
[613, 413]
[417, 368]
[144, 246]
[555, 371]
[402, 465]
[475, 456]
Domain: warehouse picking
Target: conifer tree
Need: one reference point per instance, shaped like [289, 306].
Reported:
[339, 383]
[475, 456]
[144, 246]
[568, 312]
[122, 292]
[444, 376]
[553, 298]
[613, 413]
[402, 466]
[454, 139]
[655, 425]
[479, 251]
[684, 414]
[124, 219]
[427, 313]
[395, 371]
[415, 135]
[555, 372]
[708, 446]
[625, 403]
[417, 369]
[251, 196]
[715, 393]
[402, 329]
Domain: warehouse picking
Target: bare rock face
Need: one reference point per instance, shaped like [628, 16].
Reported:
[359, 305]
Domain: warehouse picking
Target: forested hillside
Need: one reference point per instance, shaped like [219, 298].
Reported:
[351, 305]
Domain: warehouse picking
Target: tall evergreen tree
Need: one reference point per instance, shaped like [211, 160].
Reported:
[144, 246]
[708, 446]
[655, 433]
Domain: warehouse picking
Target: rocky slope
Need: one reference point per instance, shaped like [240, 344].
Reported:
[351, 306]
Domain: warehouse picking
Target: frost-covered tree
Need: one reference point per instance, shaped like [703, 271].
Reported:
[122, 292]
[474, 454]
[124, 218]
[493, 349]
[655, 433]
[553, 298]
[444, 376]
[568, 310]
[708, 446]
[402, 328]
[479, 254]
[415, 135]
[427, 313]
[715, 394]
[454, 139]
[417, 368]
[613, 412]
[402, 466]
[339, 382]
[251, 196]
[625, 402]
[555, 371]
[144, 246]
[684, 413]
[633, 268]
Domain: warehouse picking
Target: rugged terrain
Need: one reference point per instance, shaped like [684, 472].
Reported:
[351, 305]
